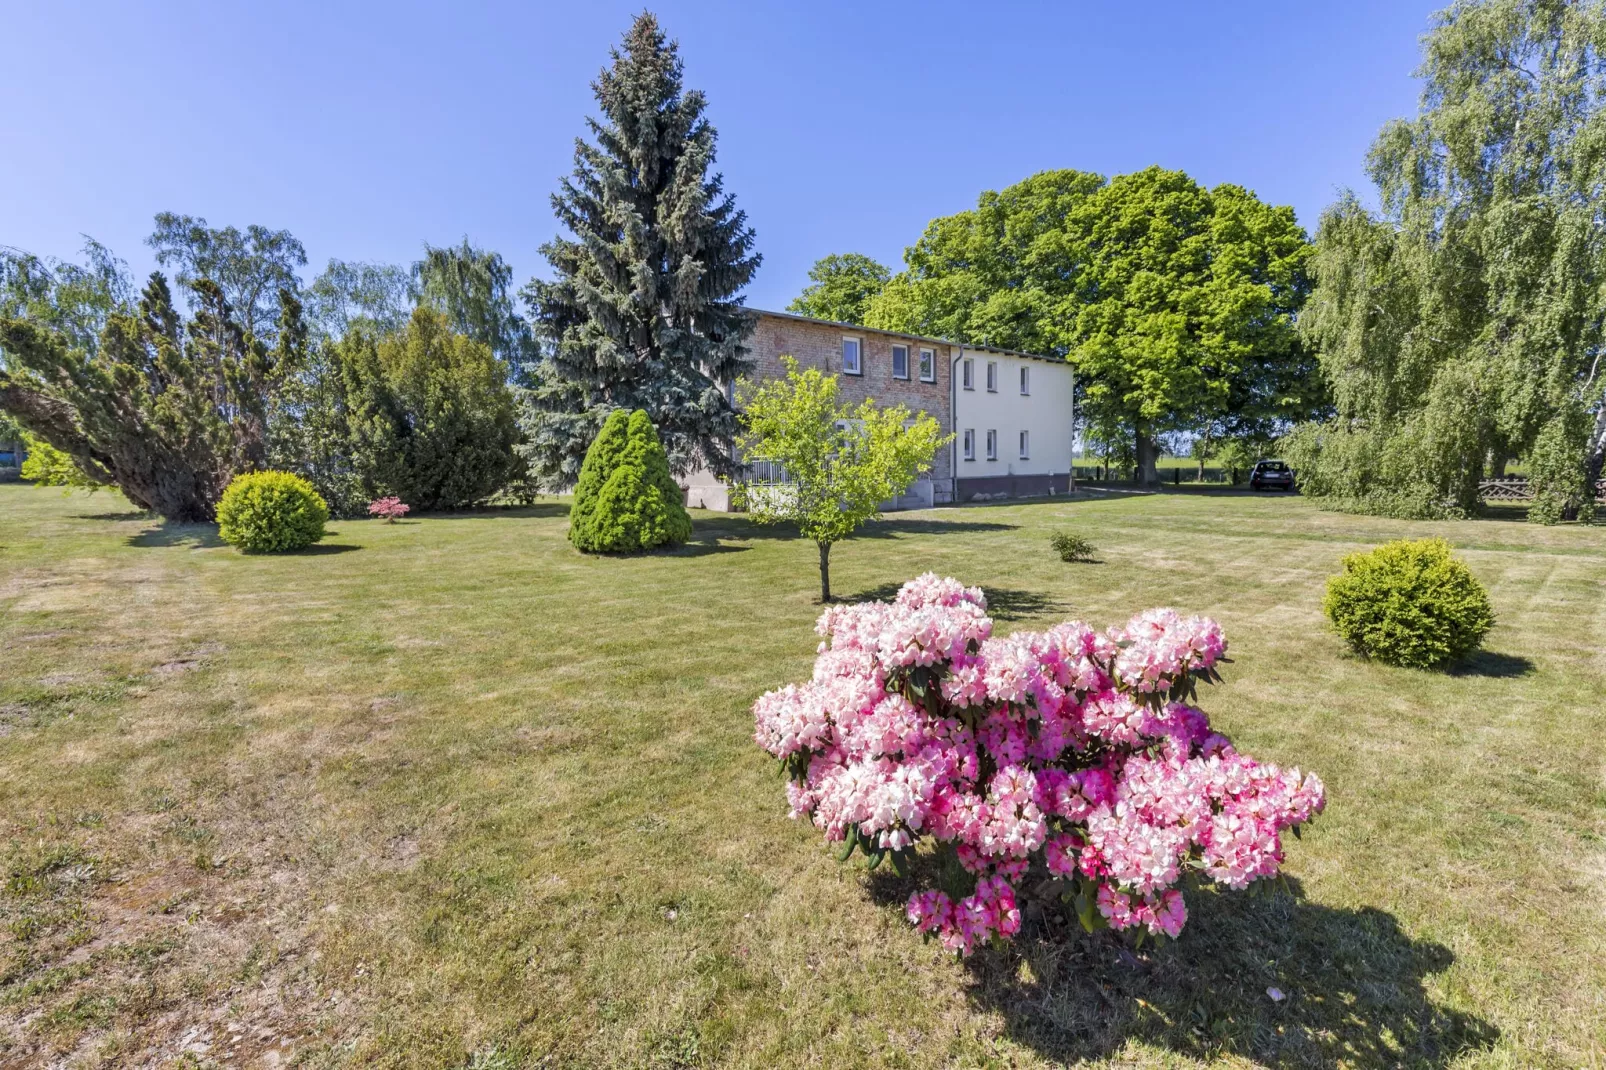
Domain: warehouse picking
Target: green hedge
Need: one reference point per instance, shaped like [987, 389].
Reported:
[270, 512]
[625, 499]
[1410, 603]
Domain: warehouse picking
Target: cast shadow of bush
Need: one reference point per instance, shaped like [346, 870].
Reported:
[1353, 984]
[1003, 603]
[1490, 664]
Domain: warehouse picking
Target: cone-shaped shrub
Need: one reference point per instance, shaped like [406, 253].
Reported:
[625, 499]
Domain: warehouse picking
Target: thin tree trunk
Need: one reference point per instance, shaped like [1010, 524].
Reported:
[825, 571]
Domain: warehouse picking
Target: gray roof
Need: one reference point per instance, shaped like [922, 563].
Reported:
[911, 337]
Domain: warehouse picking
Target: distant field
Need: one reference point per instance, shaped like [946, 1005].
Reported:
[446, 793]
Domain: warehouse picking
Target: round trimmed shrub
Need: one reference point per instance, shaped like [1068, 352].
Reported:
[270, 512]
[625, 499]
[1411, 603]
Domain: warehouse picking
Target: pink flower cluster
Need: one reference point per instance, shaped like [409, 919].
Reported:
[1068, 754]
[391, 509]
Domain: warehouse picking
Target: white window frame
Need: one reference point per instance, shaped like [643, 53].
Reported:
[992, 444]
[858, 355]
[1025, 380]
[1025, 446]
[895, 347]
[968, 370]
[970, 443]
[928, 364]
[992, 377]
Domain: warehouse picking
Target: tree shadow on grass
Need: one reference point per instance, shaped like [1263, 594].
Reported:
[700, 548]
[1352, 985]
[739, 526]
[195, 536]
[1490, 664]
[1003, 603]
[126, 514]
[317, 549]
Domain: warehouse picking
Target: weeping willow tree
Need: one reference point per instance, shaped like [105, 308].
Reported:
[1461, 325]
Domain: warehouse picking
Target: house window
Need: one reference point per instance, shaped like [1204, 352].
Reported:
[1025, 380]
[969, 369]
[1025, 451]
[850, 355]
[992, 377]
[900, 362]
[992, 445]
[928, 366]
[970, 444]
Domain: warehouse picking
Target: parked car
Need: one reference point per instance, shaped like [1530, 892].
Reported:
[1271, 475]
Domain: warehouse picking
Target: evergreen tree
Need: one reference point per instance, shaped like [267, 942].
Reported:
[643, 312]
[168, 412]
[625, 499]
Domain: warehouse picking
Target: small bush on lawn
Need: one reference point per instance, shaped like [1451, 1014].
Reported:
[270, 512]
[1072, 547]
[1062, 765]
[1410, 603]
[625, 499]
[388, 509]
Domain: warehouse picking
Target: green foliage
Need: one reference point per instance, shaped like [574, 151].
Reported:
[626, 500]
[46, 466]
[1558, 470]
[1460, 325]
[471, 288]
[841, 287]
[167, 411]
[350, 292]
[842, 462]
[1176, 303]
[270, 512]
[423, 414]
[73, 299]
[1410, 603]
[250, 269]
[642, 312]
[1072, 547]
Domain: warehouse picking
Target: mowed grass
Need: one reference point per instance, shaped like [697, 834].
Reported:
[447, 793]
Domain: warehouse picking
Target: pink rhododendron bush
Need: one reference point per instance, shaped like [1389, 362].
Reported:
[1066, 762]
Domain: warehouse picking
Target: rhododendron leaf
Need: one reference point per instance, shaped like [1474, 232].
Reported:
[899, 867]
[1295, 830]
[876, 856]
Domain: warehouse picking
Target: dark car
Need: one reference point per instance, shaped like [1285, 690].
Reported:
[1271, 475]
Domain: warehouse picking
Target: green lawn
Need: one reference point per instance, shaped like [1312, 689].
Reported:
[446, 793]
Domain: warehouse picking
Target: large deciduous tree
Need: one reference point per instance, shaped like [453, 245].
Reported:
[347, 292]
[1176, 303]
[472, 288]
[1461, 325]
[249, 268]
[841, 287]
[643, 311]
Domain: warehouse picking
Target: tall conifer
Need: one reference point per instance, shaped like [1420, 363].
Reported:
[643, 312]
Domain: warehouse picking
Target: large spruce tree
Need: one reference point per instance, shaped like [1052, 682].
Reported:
[643, 312]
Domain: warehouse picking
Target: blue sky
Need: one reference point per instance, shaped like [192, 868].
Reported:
[369, 129]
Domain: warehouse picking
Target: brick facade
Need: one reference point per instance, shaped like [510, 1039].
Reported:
[815, 344]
